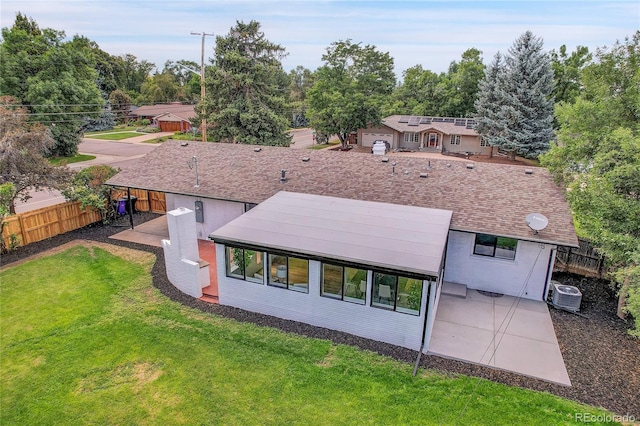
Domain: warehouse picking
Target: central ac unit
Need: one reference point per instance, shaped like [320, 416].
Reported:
[566, 296]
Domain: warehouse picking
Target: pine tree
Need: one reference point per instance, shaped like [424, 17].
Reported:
[523, 105]
[246, 90]
[488, 126]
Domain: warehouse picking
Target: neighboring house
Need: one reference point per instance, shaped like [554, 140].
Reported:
[174, 117]
[355, 243]
[434, 134]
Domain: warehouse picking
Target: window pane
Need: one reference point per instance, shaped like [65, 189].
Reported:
[235, 262]
[355, 287]
[485, 245]
[299, 274]
[384, 290]
[331, 281]
[278, 270]
[409, 295]
[506, 248]
[254, 263]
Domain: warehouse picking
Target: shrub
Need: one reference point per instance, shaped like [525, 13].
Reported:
[148, 129]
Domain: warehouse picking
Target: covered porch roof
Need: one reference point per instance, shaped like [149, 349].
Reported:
[387, 236]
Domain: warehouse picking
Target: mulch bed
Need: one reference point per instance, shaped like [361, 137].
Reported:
[603, 361]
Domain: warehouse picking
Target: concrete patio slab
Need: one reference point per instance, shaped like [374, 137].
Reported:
[501, 332]
[150, 233]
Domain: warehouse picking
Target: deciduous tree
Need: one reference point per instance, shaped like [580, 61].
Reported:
[54, 77]
[23, 147]
[350, 89]
[597, 158]
[567, 71]
[87, 186]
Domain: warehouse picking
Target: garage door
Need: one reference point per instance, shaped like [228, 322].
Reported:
[169, 126]
[368, 138]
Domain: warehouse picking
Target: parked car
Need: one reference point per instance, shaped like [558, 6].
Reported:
[387, 146]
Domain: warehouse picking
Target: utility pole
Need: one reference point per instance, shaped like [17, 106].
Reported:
[204, 118]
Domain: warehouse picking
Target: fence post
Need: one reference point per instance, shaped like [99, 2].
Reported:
[25, 236]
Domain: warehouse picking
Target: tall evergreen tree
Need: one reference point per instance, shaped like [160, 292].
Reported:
[247, 89]
[489, 125]
[524, 102]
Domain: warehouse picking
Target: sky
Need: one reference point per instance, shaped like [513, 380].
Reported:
[427, 33]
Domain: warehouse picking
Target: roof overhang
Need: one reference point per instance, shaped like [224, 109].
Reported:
[380, 235]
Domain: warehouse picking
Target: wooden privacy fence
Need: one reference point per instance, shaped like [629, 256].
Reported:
[37, 225]
[47, 222]
[584, 261]
[147, 201]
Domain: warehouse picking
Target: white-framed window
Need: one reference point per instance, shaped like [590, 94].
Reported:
[411, 137]
[455, 139]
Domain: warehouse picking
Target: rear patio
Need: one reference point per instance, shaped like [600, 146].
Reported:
[504, 332]
[507, 333]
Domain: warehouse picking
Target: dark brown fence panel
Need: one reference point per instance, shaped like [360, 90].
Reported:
[584, 261]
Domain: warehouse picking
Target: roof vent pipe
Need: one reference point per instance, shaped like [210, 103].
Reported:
[528, 171]
[283, 175]
[393, 168]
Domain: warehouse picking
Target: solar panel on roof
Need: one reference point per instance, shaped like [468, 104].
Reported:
[438, 120]
[414, 121]
[404, 119]
[425, 120]
[460, 122]
[448, 120]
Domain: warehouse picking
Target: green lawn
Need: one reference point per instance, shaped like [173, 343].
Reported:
[56, 161]
[115, 136]
[324, 145]
[114, 130]
[86, 339]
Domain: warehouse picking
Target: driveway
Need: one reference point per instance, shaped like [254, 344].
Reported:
[121, 154]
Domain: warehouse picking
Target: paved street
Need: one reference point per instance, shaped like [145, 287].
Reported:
[123, 154]
[302, 138]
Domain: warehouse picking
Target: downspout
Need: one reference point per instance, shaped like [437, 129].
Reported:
[424, 331]
[438, 284]
[552, 261]
[130, 207]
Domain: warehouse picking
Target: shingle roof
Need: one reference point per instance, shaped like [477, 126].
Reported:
[441, 124]
[490, 198]
[186, 112]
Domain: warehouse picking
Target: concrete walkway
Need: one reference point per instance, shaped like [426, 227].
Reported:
[505, 332]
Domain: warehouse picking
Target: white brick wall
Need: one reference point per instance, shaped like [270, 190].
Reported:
[181, 253]
[498, 275]
[361, 320]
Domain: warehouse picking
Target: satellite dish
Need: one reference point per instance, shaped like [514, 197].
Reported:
[537, 222]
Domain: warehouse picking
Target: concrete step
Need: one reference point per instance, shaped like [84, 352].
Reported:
[210, 299]
[454, 289]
